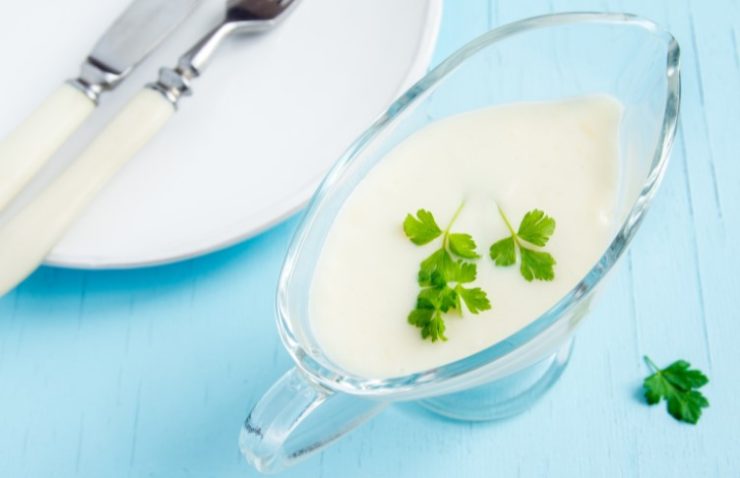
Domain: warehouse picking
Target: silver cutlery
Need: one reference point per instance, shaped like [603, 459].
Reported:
[29, 236]
[135, 34]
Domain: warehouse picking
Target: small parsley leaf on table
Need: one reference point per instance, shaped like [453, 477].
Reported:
[534, 231]
[442, 276]
[678, 385]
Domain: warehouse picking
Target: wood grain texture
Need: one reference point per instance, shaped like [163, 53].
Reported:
[150, 372]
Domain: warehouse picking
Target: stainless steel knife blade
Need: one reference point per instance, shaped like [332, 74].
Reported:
[137, 32]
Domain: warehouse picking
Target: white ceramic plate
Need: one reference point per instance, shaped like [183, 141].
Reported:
[266, 121]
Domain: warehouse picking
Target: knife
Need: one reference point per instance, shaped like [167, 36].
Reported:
[134, 35]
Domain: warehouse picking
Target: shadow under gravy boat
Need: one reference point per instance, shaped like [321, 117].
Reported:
[537, 59]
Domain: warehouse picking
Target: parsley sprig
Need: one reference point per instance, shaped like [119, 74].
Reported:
[534, 230]
[443, 275]
[678, 385]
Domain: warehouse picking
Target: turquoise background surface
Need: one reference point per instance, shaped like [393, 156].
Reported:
[151, 372]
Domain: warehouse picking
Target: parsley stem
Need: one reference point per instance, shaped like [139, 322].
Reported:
[445, 239]
[454, 217]
[508, 225]
[651, 364]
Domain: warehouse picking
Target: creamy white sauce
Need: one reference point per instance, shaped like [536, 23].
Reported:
[561, 157]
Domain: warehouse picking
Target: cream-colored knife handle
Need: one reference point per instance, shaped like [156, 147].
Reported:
[31, 144]
[29, 236]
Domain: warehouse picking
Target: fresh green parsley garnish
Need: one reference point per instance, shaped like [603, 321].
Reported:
[443, 274]
[534, 230]
[678, 385]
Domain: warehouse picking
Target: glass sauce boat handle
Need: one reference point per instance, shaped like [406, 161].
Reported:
[297, 417]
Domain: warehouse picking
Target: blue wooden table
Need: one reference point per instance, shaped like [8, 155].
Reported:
[150, 372]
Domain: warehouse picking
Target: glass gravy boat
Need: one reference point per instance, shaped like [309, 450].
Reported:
[542, 58]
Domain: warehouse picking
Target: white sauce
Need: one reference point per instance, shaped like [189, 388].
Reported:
[561, 157]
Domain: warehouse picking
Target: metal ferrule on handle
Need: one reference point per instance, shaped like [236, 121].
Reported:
[95, 78]
[174, 83]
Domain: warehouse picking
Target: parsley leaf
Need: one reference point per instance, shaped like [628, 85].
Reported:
[421, 229]
[504, 252]
[463, 245]
[439, 297]
[677, 384]
[442, 275]
[430, 322]
[536, 265]
[465, 272]
[475, 299]
[535, 229]
[440, 262]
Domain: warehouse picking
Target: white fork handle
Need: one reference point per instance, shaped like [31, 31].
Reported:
[34, 141]
[29, 236]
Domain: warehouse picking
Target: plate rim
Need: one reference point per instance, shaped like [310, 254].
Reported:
[287, 206]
